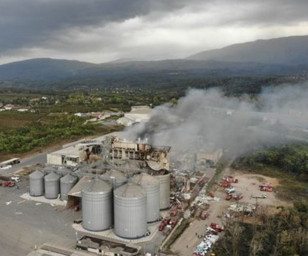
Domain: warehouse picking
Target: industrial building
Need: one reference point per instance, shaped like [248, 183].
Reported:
[156, 157]
[122, 190]
[137, 114]
[74, 155]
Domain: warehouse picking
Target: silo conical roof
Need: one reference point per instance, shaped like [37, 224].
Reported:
[96, 186]
[52, 177]
[145, 179]
[130, 190]
[36, 175]
[114, 173]
[68, 178]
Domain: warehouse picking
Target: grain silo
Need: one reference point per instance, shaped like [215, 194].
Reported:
[152, 187]
[66, 184]
[164, 181]
[52, 185]
[130, 211]
[36, 183]
[114, 177]
[97, 205]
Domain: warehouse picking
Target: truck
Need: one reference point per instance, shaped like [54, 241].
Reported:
[164, 223]
[15, 178]
[230, 190]
[266, 187]
[173, 222]
[230, 179]
[224, 184]
[7, 183]
[217, 227]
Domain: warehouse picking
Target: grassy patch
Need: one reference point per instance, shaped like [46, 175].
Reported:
[179, 230]
[15, 119]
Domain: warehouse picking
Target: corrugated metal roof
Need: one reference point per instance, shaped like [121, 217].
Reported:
[130, 190]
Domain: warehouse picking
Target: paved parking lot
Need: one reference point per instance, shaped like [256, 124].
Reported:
[25, 225]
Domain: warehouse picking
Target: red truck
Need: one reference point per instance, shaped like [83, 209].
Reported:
[7, 183]
[266, 187]
[164, 223]
[230, 179]
[217, 227]
[225, 184]
[173, 222]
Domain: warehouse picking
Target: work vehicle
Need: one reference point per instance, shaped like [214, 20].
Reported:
[230, 190]
[15, 178]
[217, 227]
[230, 179]
[266, 187]
[7, 183]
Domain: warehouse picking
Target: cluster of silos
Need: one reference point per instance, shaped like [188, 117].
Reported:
[128, 205]
[97, 205]
[51, 185]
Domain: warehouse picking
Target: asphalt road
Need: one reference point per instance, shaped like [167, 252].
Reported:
[25, 224]
[29, 161]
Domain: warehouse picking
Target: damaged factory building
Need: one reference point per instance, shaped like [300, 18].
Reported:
[155, 157]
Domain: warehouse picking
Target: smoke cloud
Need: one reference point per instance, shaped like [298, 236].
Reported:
[208, 120]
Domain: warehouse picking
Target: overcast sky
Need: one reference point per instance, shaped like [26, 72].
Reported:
[105, 30]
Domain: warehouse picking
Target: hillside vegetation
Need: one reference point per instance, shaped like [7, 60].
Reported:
[283, 234]
[47, 130]
[289, 163]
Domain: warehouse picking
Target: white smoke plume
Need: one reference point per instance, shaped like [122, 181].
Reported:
[206, 119]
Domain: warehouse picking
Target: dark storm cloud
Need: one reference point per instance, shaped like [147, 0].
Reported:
[28, 22]
[274, 11]
[56, 28]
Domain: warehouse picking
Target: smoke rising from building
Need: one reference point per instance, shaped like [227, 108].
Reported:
[208, 120]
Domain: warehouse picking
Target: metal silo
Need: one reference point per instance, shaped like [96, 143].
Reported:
[152, 187]
[36, 183]
[52, 185]
[97, 205]
[130, 211]
[114, 177]
[164, 181]
[66, 184]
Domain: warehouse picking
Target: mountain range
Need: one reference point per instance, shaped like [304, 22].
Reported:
[280, 56]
